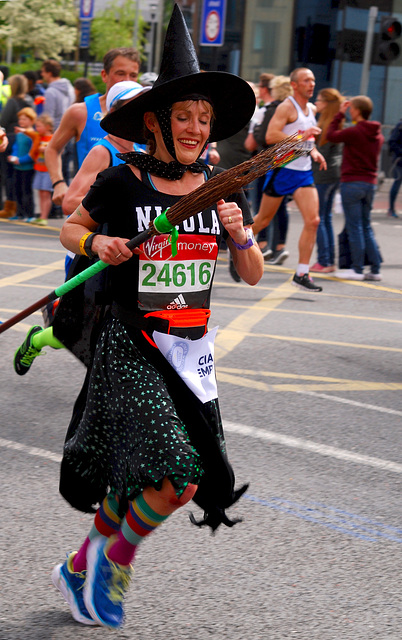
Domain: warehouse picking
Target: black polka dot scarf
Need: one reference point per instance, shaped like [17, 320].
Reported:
[170, 170]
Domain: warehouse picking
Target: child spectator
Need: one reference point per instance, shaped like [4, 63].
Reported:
[23, 164]
[42, 182]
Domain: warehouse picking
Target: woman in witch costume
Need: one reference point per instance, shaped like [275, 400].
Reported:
[150, 436]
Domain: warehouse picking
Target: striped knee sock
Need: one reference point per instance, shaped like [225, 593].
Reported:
[139, 522]
[106, 523]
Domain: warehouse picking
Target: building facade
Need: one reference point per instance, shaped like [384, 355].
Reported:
[328, 36]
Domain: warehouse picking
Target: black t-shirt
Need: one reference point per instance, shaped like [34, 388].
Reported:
[155, 280]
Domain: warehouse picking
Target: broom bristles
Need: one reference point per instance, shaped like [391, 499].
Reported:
[232, 180]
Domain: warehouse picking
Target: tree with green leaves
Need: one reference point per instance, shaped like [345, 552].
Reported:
[114, 27]
[42, 28]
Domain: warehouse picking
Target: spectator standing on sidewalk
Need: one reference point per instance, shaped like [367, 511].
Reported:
[59, 96]
[361, 152]
[327, 103]
[35, 90]
[83, 87]
[251, 145]
[18, 99]
[21, 159]
[41, 181]
[395, 148]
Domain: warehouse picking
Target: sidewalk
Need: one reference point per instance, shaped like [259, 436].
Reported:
[381, 198]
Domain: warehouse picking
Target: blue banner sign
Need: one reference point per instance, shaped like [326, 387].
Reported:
[87, 9]
[213, 23]
[85, 34]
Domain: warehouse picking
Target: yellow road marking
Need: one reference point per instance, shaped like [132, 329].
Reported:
[27, 224]
[281, 374]
[324, 342]
[27, 248]
[323, 294]
[345, 385]
[38, 286]
[310, 313]
[25, 264]
[240, 327]
[37, 272]
[231, 336]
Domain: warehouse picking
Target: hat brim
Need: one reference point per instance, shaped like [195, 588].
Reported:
[232, 98]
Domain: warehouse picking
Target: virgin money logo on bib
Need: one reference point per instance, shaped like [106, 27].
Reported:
[158, 247]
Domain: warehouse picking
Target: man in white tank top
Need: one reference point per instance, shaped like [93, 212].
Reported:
[295, 114]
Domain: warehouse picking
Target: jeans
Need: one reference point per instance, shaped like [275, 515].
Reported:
[24, 193]
[325, 232]
[357, 199]
[397, 175]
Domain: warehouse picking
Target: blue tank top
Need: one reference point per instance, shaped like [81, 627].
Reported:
[92, 132]
[114, 161]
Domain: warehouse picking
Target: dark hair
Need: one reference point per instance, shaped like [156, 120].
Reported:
[30, 75]
[84, 88]
[53, 67]
[265, 79]
[4, 70]
[126, 52]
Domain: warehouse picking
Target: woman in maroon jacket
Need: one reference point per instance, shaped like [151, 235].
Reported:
[361, 151]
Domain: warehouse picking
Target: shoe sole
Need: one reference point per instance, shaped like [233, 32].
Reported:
[92, 554]
[60, 583]
[280, 260]
[299, 286]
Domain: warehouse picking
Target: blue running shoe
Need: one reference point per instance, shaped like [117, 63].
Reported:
[106, 585]
[71, 585]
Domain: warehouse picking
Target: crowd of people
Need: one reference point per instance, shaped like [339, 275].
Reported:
[44, 115]
[143, 441]
[342, 158]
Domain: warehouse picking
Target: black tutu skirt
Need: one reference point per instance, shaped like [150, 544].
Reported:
[135, 423]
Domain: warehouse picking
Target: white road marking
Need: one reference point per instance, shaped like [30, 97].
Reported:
[256, 434]
[309, 445]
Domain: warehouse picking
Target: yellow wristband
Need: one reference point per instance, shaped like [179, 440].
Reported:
[82, 243]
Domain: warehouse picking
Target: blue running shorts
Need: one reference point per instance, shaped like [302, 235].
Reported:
[283, 182]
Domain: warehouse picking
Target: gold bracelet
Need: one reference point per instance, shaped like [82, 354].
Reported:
[82, 243]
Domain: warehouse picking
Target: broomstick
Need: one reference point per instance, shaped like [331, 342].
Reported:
[218, 187]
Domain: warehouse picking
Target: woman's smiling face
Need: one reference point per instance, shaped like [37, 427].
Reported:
[191, 127]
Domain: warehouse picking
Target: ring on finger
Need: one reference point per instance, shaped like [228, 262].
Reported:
[118, 256]
[230, 220]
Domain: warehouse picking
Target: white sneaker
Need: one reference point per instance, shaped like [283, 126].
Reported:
[373, 276]
[349, 274]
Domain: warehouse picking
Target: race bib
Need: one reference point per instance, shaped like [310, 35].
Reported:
[179, 282]
[193, 360]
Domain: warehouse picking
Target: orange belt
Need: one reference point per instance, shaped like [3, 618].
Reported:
[180, 320]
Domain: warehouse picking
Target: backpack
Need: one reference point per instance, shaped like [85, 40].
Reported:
[395, 140]
[261, 129]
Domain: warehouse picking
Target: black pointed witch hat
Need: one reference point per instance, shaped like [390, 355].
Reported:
[180, 77]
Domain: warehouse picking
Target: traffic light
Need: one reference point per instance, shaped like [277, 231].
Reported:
[390, 30]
